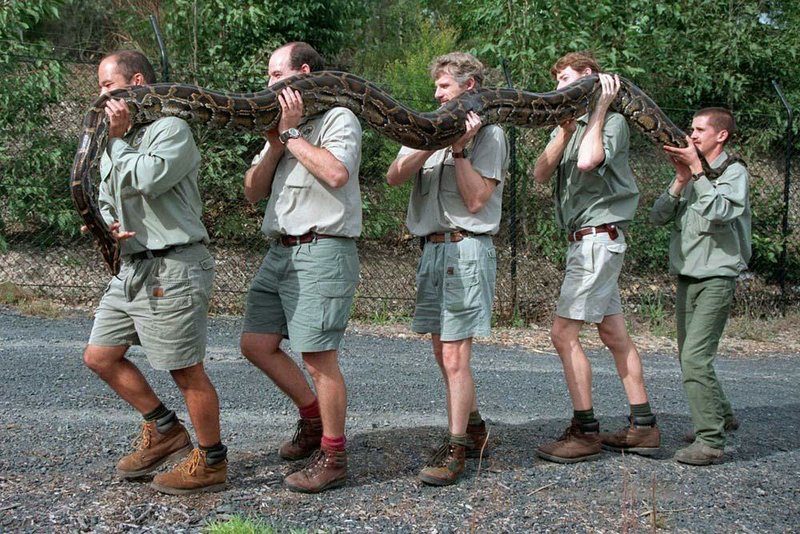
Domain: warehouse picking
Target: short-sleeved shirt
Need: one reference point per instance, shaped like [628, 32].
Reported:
[436, 204]
[301, 203]
[607, 194]
[711, 234]
[148, 182]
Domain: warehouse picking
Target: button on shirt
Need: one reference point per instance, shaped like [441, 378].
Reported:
[436, 204]
[148, 182]
[711, 233]
[604, 195]
[300, 202]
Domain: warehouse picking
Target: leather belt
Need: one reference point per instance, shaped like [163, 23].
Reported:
[150, 254]
[294, 240]
[455, 236]
[610, 229]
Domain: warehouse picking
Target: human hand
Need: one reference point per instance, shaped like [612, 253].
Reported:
[610, 88]
[119, 118]
[119, 235]
[685, 157]
[473, 124]
[291, 109]
[569, 126]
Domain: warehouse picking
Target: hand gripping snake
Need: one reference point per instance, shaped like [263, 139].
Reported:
[324, 90]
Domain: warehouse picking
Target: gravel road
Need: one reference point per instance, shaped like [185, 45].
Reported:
[62, 430]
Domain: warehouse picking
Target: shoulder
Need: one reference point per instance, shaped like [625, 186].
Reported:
[339, 114]
[615, 120]
[170, 125]
[491, 133]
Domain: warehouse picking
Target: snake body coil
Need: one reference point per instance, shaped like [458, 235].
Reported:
[322, 91]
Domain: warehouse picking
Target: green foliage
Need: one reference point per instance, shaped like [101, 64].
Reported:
[244, 525]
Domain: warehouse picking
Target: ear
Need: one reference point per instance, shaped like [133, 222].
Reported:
[722, 136]
[587, 72]
[305, 69]
[137, 79]
[470, 85]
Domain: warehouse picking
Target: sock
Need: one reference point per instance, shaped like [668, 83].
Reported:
[475, 418]
[584, 416]
[163, 417]
[310, 411]
[642, 415]
[459, 439]
[333, 444]
[215, 453]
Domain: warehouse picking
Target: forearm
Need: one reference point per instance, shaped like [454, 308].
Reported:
[475, 189]
[548, 160]
[258, 178]
[404, 168]
[591, 153]
[319, 162]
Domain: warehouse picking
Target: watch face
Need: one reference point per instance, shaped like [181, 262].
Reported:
[291, 133]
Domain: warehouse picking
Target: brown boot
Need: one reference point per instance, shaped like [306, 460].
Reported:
[574, 445]
[306, 439]
[154, 448]
[325, 470]
[446, 467]
[644, 440]
[477, 436]
[194, 475]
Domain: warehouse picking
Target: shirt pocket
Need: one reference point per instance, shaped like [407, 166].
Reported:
[448, 181]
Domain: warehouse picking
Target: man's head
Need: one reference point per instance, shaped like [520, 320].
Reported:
[712, 129]
[293, 58]
[455, 73]
[123, 68]
[574, 66]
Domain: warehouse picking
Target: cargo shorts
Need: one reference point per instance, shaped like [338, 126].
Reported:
[455, 288]
[590, 290]
[304, 292]
[160, 304]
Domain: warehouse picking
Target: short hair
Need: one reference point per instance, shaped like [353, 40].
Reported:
[719, 119]
[579, 61]
[460, 65]
[131, 62]
[302, 53]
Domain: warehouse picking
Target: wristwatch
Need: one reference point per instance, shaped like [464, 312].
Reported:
[699, 175]
[462, 154]
[291, 133]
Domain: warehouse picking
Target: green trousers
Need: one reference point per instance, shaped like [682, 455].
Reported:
[702, 311]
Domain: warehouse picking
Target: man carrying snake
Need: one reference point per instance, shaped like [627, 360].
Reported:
[455, 209]
[709, 247]
[595, 198]
[149, 198]
[308, 170]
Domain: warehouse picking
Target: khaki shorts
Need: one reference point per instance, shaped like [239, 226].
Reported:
[455, 289]
[160, 304]
[590, 290]
[305, 292]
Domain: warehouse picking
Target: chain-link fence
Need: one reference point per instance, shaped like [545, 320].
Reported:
[39, 248]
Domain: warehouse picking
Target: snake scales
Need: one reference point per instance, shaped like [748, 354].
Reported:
[324, 90]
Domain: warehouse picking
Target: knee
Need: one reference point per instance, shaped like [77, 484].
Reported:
[453, 365]
[95, 360]
[561, 340]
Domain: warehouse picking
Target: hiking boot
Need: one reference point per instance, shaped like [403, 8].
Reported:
[477, 436]
[731, 425]
[194, 475]
[325, 470]
[698, 453]
[154, 449]
[306, 439]
[574, 445]
[639, 439]
[446, 466]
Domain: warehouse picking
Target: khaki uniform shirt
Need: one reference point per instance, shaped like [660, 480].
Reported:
[436, 204]
[301, 203]
[604, 195]
[711, 224]
[148, 182]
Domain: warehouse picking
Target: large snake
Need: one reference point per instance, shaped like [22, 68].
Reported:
[324, 90]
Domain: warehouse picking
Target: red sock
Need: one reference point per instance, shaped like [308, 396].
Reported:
[333, 444]
[312, 410]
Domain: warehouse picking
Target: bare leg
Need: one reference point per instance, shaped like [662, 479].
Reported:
[577, 368]
[264, 351]
[629, 365]
[201, 402]
[331, 390]
[122, 376]
[460, 384]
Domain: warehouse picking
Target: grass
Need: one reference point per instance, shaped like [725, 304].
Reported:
[26, 303]
[244, 525]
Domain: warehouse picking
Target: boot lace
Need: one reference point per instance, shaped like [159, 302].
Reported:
[298, 432]
[189, 466]
[142, 441]
[317, 462]
[440, 457]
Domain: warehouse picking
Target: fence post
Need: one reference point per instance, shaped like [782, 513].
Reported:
[786, 185]
[512, 199]
[162, 48]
